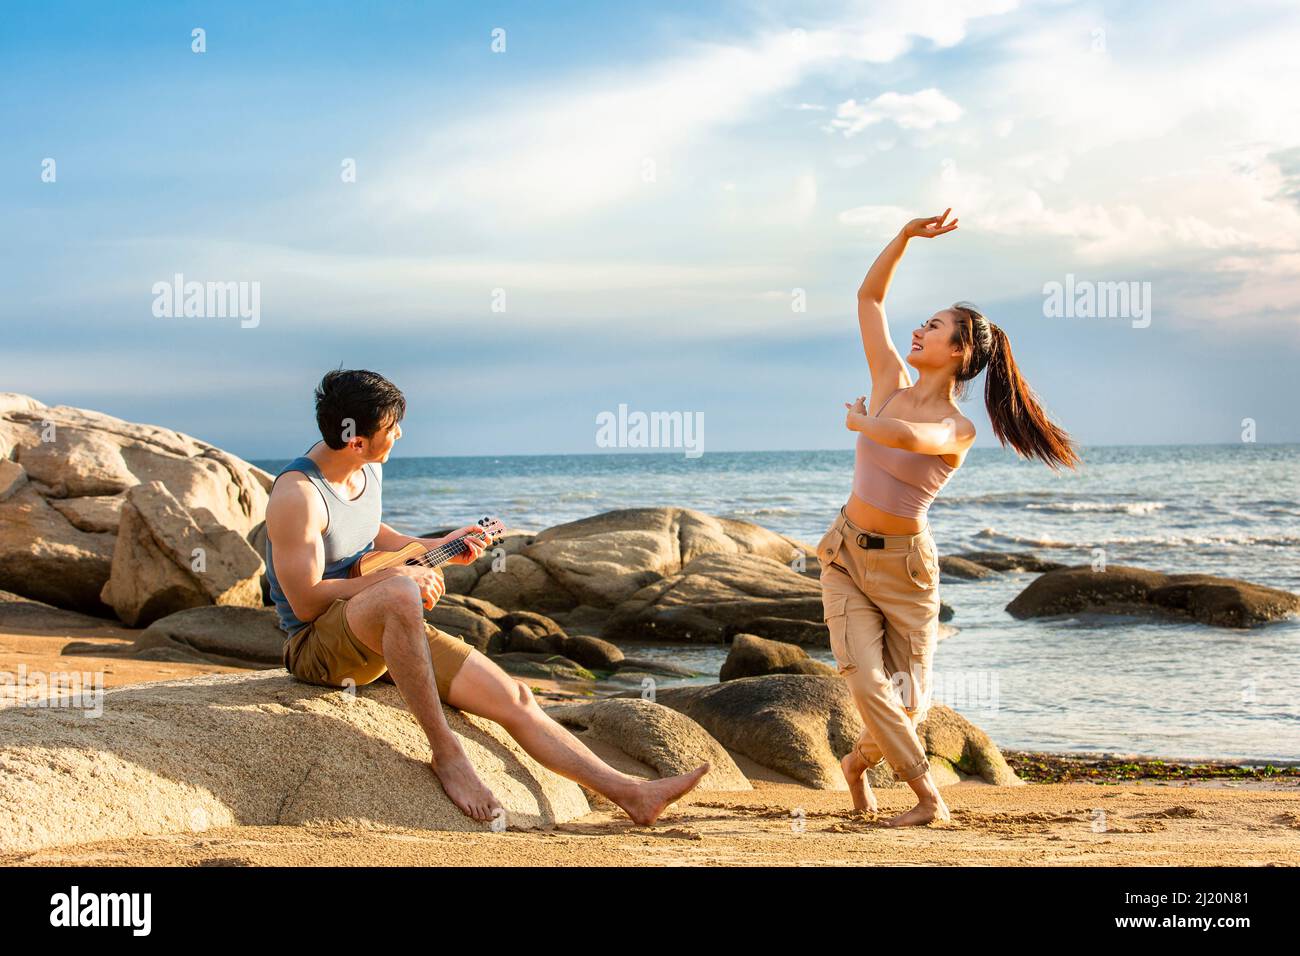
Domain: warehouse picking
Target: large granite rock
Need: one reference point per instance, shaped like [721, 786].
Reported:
[801, 725]
[167, 559]
[662, 739]
[976, 565]
[63, 474]
[45, 557]
[797, 725]
[718, 595]
[956, 747]
[1223, 602]
[478, 622]
[249, 749]
[234, 636]
[752, 656]
[600, 561]
[543, 666]
[23, 613]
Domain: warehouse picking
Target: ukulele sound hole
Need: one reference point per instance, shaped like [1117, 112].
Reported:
[412, 562]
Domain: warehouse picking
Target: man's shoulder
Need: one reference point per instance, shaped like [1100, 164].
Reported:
[293, 496]
[290, 484]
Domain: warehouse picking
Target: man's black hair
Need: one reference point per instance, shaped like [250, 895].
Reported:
[365, 399]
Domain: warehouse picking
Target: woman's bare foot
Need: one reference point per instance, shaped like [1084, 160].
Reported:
[462, 785]
[926, 811]
[646, 800]
[854, 769]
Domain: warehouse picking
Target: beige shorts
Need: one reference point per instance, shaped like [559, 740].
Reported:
[880, 595]
[327, 652]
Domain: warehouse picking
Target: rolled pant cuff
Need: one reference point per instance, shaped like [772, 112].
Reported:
[866, 755]
[911, 772]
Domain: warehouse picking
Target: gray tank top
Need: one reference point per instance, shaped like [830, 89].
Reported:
[349, 533]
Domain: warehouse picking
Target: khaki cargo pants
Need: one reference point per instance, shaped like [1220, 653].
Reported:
[880, 595]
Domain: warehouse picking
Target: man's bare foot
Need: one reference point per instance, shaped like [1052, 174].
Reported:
[854, 769]
[462, 785]
[926, 811]
[645, 801]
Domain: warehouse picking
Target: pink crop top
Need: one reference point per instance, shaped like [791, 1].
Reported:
[899, 482]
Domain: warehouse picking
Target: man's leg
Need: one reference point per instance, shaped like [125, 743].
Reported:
[481, 687]
[388, 618]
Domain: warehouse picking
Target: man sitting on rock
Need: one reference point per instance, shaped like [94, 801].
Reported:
[322, 516]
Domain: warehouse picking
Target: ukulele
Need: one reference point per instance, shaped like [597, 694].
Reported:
[416, 553]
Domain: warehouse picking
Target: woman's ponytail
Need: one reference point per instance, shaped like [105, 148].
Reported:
[1017, 417]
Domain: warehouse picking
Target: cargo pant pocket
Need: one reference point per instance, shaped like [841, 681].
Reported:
[916, 687]
[923, 567]
[829, 546]
[835, 608]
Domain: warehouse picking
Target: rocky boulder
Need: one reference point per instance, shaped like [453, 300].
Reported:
[801, 725]
[233, 636]
[591, 652]
[602, 560]
[249, 749]
[475, 621]
[1222, 602]
[752, 656]
[543, 667]
[167, 558]
[797, 725]
[717, 595]
[667, 742]
[958, 748]
[23, 613]
[63, 475]
[45, 557]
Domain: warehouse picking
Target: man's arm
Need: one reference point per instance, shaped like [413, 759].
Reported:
[390, 539]
[295, 517]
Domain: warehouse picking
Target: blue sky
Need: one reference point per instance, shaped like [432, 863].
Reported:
[647, 184]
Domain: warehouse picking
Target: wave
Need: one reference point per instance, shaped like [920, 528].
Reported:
[1108, 507]
[994, 498]
[1171, 541]
[992, 534]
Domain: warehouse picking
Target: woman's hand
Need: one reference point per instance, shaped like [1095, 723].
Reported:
[929, 228]
[856, 412]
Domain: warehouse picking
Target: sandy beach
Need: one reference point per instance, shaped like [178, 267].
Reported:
[778, 823]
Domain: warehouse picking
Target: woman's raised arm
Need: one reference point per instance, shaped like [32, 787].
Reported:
[886, 365]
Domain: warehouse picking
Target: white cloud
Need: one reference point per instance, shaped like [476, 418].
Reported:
[577, 149]
[921, 110]
[876, 220]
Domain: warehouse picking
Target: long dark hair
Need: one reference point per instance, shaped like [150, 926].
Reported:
[1017, 416]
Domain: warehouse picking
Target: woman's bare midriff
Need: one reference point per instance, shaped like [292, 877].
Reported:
[870, 518]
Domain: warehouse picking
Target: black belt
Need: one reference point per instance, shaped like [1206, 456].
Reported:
[870, 541]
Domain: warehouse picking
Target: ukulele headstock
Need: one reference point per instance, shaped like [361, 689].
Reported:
[493, 527]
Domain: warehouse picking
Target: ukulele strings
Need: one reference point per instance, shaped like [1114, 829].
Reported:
[445, 552]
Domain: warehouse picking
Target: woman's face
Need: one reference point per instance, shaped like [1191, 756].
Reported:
[931, 346]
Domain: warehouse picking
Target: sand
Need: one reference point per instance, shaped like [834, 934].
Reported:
[1212, 823]
[781, 824]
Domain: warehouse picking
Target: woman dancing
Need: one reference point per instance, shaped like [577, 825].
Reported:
[880, 570]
